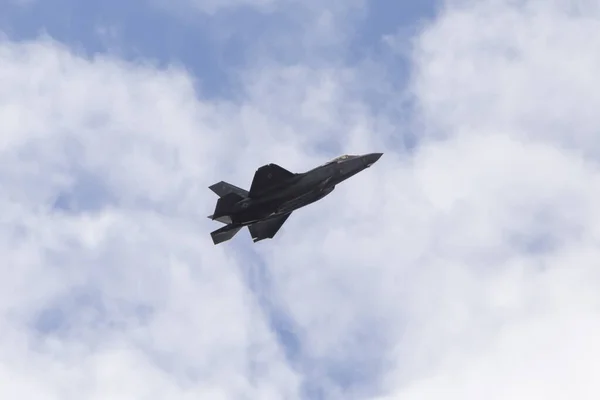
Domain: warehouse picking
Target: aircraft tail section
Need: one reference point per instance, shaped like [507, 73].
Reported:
[225, 233]
[223, 188]
[225, 205]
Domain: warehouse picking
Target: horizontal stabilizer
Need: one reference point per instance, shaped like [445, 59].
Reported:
[223, 188]
[225, 233]
[267, 229]
[268, 176]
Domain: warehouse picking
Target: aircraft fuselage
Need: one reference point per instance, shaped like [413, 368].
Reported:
[276, 192]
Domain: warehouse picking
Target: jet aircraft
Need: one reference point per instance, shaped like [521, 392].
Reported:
[275, 192]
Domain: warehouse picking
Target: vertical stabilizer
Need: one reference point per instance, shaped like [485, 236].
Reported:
[225, 204]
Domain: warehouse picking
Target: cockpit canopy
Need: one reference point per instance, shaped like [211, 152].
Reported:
[340, 159]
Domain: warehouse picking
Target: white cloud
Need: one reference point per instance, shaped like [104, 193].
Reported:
[466, 269]
[127, 276]
[504, 303]
[137, 300]
[504, 67]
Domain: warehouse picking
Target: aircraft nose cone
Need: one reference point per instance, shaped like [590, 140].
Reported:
[372, 158]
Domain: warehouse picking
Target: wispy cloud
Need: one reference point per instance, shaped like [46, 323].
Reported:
[505, 306]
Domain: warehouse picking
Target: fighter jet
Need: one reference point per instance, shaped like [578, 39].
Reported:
[276, 192]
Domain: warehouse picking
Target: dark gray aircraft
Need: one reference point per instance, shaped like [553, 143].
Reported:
[276, 192]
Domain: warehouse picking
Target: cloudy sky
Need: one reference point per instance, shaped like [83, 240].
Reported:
[465, 264]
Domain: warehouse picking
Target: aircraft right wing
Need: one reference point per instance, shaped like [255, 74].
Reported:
[268, 176]
[267, 229]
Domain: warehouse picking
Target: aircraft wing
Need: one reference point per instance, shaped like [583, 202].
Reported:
[268, 176]
[268, 228]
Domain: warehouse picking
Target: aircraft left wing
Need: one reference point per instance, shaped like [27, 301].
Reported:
[267, 229]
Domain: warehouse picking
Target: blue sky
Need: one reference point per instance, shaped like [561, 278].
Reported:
[464, 261]
[211, 46]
